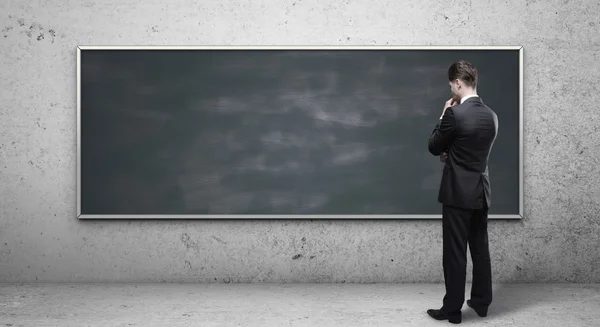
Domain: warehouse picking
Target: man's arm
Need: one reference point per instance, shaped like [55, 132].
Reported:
[443, 134]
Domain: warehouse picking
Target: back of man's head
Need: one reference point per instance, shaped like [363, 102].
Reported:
[464, 71]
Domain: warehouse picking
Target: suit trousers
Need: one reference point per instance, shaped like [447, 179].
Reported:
[459, 227]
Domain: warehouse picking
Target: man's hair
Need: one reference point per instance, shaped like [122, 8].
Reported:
[464, 71]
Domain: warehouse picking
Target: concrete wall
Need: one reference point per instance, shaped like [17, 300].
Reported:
[41, 239]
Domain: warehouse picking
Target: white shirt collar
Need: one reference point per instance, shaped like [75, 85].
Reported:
[468, 96]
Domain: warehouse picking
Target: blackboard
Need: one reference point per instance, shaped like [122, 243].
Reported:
[281, 132]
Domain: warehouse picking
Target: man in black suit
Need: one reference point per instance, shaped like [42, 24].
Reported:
[463, 138]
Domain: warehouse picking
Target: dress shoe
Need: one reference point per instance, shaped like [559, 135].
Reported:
[454, 318]
[482, 312]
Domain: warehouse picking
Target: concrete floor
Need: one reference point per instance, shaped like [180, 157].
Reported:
[287, 305]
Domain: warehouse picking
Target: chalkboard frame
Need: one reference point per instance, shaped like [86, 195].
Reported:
[294, 216]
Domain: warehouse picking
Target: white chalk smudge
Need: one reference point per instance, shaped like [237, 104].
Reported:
[259, 164]
[300, 140]
[285, 139]
[314, 201]
[349, 153]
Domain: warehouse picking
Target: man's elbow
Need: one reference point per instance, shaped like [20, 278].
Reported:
[434, 150]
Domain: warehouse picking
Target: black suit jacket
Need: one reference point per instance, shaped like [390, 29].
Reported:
[467, 133]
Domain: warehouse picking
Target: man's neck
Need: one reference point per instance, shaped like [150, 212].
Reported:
[468, 95]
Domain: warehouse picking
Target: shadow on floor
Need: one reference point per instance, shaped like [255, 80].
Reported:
[510, 298]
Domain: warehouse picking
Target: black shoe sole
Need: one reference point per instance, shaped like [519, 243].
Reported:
[455, 320]
[451, 318]
[480, 312]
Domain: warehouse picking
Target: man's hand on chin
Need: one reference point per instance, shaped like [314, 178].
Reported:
[449, 103]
